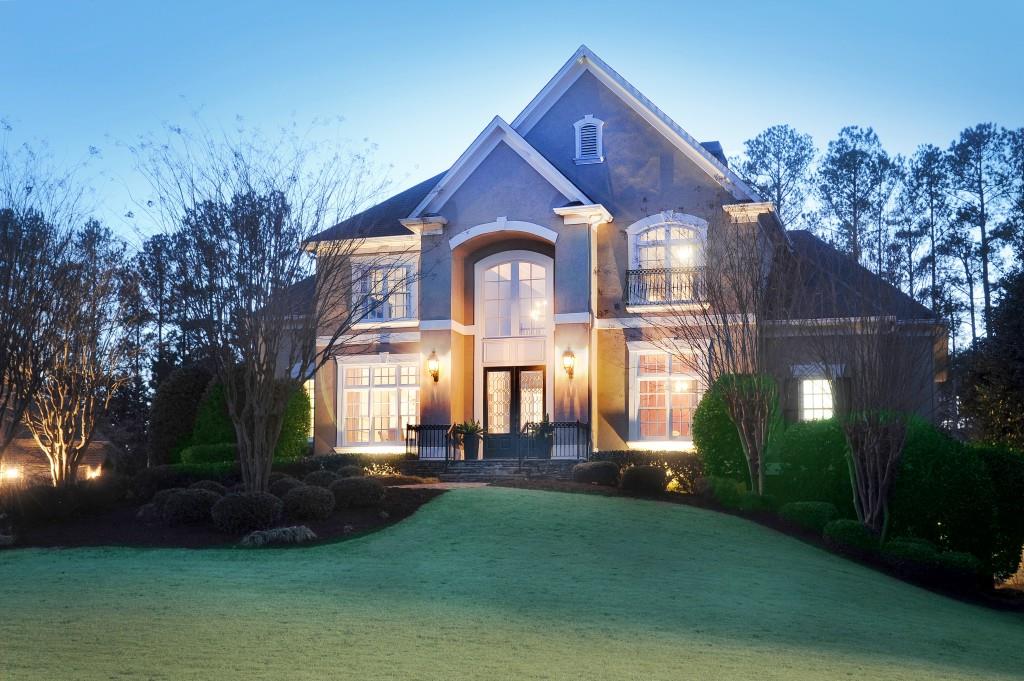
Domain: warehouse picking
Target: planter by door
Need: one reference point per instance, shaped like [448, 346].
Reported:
[471, 447]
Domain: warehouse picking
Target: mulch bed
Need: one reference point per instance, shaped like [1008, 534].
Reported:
[120, 526]
[1002, 598]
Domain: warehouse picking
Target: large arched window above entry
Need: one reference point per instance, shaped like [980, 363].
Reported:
[515, 299]
[666, 258]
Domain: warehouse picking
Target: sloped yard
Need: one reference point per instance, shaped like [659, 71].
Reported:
[495, 584]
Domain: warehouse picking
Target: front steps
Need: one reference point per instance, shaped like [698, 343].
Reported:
[491, 470]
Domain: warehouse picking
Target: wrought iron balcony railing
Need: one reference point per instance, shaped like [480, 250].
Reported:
[664, 286]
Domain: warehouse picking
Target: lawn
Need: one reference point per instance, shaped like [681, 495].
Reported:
[495, 584]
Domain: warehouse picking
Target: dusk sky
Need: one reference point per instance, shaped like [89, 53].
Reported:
[421, 80]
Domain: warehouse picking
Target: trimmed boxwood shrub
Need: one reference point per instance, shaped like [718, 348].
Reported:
[646, 480]
[943, 494]
[919, 559]
[597, 473]
[810, 515]
[188, 506]
[357, 492]
[211, 486]
[321, 478]
[160, 499]
[684, 469]
[850, 536]
[308, 503]
[204, 454]
[149, 481]
[245, 512]
[283, 485]
[812, 463]
[352, 471]
[1006, 472]
[173, 412]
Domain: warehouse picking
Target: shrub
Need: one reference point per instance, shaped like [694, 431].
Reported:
[683, 468]
[1006, 472]
[173, 412]
[210, 486]
[646, 480]
[943, 494]
[237, 513]
[849, 536]
[357, 492]
[902, 550]
[188, 506]
[38, 504]
[920, 560]
[149, 481]
[321, 478]
[203, 454]
[294, 440]
[755, 503]
[279, 536]
[597, 473]
[715, 437]
[225, 472]
[811, 456]
[161, 498]
[282, 486]
[308, 503]
[810, 515]
[352, 471]
[394, 480]
[960, 566]
[725, 491]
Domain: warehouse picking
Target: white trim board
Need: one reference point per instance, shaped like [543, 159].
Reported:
[496, 132]
[585, 60]
[447, 325]
[503, 224]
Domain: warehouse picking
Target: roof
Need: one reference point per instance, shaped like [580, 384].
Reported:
[383, 218]
[829, 284]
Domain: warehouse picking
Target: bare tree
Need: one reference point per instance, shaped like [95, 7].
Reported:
[272, 304]
[90, 355]
[716, 324]
[778, 163]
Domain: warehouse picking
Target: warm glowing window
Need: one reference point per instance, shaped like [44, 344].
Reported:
[815, 399]
[667, 395]
[667, 246]
[378, 402]
[308, 386]
[515, 300]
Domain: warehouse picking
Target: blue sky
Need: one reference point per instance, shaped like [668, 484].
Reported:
[420, 80]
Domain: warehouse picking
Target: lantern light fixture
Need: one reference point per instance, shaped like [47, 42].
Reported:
[433, 366]
[569, 362]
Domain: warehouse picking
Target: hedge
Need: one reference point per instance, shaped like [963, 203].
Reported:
[173, 412]
[597, 473]
[812, 465]
[715, 437]
[684, 469]
[810, 515]
[203, 454]
[1006, 472]
[644, 480]
[850, 536]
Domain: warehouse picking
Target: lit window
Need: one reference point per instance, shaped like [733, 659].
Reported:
[308, 386]
[667, 395]
[589, 140]
[815, 399]
[379, 401]
[515, 300]
[666, 265]
[385, 291]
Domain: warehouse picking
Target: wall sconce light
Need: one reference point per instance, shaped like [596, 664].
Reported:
[568, 362]
[433, 366]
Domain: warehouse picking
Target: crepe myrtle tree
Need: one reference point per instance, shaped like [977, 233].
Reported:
[271, 304]
[39, 205]
[90, 355]
[717, 326]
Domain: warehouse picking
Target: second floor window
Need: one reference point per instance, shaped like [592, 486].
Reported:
[384, 291]
[666, 262]
[515, 299]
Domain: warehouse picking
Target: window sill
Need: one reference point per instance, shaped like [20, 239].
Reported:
[588, 161]
[388, 324]
[661, 445]
[637, 308]
[370, 449]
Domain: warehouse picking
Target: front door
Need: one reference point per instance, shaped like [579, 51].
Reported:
[513, 397]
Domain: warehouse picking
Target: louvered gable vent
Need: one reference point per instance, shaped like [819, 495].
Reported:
[589, 131]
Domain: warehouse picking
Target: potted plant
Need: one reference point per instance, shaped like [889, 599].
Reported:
[467, 434]
[543, 437]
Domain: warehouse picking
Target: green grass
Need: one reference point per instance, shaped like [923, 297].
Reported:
[495, 584]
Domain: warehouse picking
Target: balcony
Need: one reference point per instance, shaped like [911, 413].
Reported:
[664, 286]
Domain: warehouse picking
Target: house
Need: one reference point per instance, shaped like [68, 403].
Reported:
[530, 273]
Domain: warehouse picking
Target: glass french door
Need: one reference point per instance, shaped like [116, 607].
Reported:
[513, 397]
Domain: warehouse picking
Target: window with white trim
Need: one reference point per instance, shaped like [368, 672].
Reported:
[378, 402]
[589, 140]
[666, 262]
[385, 290]
[515, 299]
[815, 399]
[667, 395]
[309, 387]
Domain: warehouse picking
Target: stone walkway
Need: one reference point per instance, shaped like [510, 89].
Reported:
[445, 485]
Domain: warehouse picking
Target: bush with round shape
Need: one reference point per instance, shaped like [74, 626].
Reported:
[204, 454]
[173, 412]
[321, 478]
[850, 537]
[810, 515]
[716, 440]
[812, 465]
[308, 503]
[246, 511]
[597, 473]
[149, 481]
[210, 486]
[351, 471]
[943, 493]
[644, 480]
[282, 486]
[160, 499]
[188, 506]
[357, 492]
[1006, 472]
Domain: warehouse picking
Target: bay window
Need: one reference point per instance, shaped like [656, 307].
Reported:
[378, 400]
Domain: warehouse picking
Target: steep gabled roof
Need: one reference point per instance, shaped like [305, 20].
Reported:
[496, 132]
[383, 218]
[829, 284]
[583, 61]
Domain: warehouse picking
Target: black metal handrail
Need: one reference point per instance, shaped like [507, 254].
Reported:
[566, 440]
[664, 285]
[427, 441]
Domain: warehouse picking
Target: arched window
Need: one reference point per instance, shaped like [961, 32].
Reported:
[666, 259]
[515, 299]
[589, 140]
